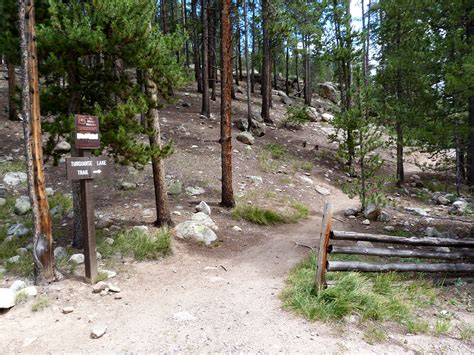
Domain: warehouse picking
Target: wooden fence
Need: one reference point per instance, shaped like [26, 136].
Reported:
[457, 261]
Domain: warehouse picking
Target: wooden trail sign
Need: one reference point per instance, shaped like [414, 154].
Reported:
[85, 169]
[87, 132]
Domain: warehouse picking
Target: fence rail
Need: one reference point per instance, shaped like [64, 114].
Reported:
[458, 260]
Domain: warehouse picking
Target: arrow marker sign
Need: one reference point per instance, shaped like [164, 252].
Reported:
[87, 168]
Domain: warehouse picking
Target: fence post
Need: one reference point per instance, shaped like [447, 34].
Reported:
[320, 279]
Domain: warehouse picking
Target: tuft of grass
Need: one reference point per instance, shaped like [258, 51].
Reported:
[41, 303]
[267, 216]
[10, 166]
[7, 209]
[442, 326]
[375, 297]
[139, 244]
[21, 297]
[466, 332]
[277, 151]
[63, 201]
[417, 326]
[374, 335]
[307, 166]
[101, 276]
[24, 267]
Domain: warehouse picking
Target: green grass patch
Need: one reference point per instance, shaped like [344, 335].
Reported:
[11, 166]
[374, 297]
[61, 201]
[374, 335]
[7, 209]
[466, 332]
[417, 326]
[20, 297]
[138, 244]
[267, 216]
[277, 151]
[41, 303]
[442, 326]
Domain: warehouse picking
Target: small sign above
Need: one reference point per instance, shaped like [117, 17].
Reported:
[87, 168]
[87, 132]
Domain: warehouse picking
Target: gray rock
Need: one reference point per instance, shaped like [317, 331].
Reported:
[114, 288]
[237, 229]
[451, 197]
[246, 138]
[18, 285]
[17, 230]
[56, 211]
[59, 253]
[62, 147]
[3, 202]
[22, 205]
[389, 228]
[128, 186]
[104, 222]
[255, 179]
[194, 230]
[195, 190]
[258, 129]
[49, 191]
[141, 229]
[14, 259]
[442, 200]
[423, 212]
[366, 222]
[98, 331]
[110, 273]
[14, 178]
[443, 249]
[174, 187]
[322, 190]
[372, 211]
[314, 115]
[284, 97]
[99, 287]
[30, 291]
[109, 241]
[327, 117]
[204, 219]
[183, 316]
[351, 212]
[384, 216]
[243, 123]
[22, 251]
[68, 309]
[76, 259]
[458, 207]
[204, 208]
[7, 298]
[328, 91]
[432, 232]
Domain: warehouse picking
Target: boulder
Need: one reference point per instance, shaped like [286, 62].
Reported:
[328, 91]
[284, 98]
[195, 190]
[322, 190]
[128, 185]
[49, 191]
[3, 202]
[313, 114]
[327, 117]
[204, 208]
[18, 285]
[246, 138]
[432, 232]
[458, 207]
[7, 298]
[104, 222]
[351, 212]
[174, 187]
[257, 128]
[389, 228]
[372, 212]
[62, 147]
[76, 259]
[384, 216]
[196, 231]
[442, 200]
[98, 331]
[14, 178]
[243, 123]
[204, 219]
[423, 212]
[59, 253]
[22, 205]
[17, 230]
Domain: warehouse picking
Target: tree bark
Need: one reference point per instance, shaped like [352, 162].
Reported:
[266, 67]
[43, 236]
[164, 20]
[470, 148]
[212, 48]
[197, 64]
[226, 109]
[12, 111]
[163, 216]
[287, 70]
[185, 25]
[307, 71]
[246, 53]
[205, 108]
[252, 78]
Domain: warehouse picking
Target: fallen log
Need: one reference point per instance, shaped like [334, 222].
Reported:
[424, 254]
[380, 238]
[400, 267]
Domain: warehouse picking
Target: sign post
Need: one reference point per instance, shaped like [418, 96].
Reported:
[85, 169]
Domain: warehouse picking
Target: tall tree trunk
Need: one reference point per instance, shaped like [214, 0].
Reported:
[226, 109]
[287, 70]
[307, 71]
[12, 111]
[163, 14]
[252, 77]
[205, 108]
[43, 236]
[163, 216]
[400, 168]
[197, 64]
[470, 148]
[266, 67]
[238, 39]
[184, 17]
[246, 53]
[212, 48]
[298, 88]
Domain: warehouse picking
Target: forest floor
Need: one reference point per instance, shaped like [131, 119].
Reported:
[223, 298]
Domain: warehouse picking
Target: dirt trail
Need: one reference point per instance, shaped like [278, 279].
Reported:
[233, 310]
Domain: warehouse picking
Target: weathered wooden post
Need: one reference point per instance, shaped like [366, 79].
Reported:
[85, 169]
[320, 279]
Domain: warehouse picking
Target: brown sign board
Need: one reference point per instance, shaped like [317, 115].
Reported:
[87, 168]
[87, 132]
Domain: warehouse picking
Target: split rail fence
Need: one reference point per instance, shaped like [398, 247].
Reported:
[455, 261]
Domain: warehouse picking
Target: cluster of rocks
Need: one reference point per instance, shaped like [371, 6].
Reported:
[104, 288]
[19, 289]
[371, 213]
[200, 228]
